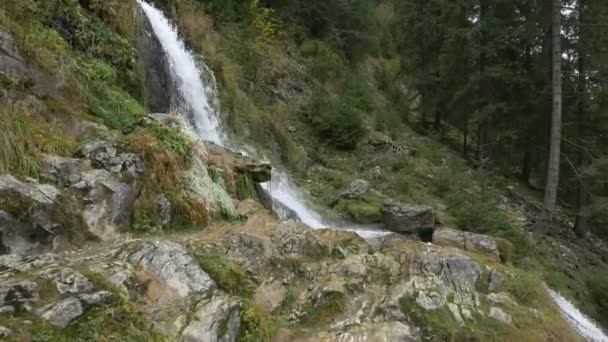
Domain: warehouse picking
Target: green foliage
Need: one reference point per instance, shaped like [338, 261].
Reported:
[365, 210]
[230, 277]
[527, 290]
[116, 107]
[337, 122]
[256, 324]
[357, 93]
[599, 289]
[437, 325]
[506, 249]
[475, 206]
[245, 187]
[323, 310]
[388, 122]
[597, 216]
[324, 63]
[164, 175]
[173, 139]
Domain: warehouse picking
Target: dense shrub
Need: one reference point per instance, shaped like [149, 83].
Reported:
[106, 99]
[597, 218]
[336, 122]
[599, 290]
[324, 63]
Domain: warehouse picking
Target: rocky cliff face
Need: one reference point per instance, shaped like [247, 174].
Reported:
[328, 285]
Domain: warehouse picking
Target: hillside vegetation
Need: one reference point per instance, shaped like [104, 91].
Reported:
[460, 109]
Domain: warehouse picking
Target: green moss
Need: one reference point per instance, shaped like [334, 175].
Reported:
[229, 276]
[245, 187]
[173, 139]
[323, 310]
[436, 325]
[368, 209]
[257, 325]
[527, 289]
[598, 285]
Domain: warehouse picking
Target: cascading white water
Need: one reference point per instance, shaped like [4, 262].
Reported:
[194, 94]
[199, 99]
[583, 325]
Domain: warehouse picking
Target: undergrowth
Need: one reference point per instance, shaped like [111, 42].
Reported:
[164, 175]
[24, 137]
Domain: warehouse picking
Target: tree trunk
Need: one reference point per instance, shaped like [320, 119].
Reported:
[465, 137]
[556, 120]
[526, 167]
[437, 122]
[581, 197]
[480, 144]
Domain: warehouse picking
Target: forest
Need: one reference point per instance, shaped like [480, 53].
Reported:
[303, 170]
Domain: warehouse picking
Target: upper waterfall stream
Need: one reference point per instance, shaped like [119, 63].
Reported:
[198, 100]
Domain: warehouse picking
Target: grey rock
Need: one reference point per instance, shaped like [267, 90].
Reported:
[496, 280]
[165, 209]
[43, 194]
[455, 311]
[270, 294]
[500, 298]
[467, 241]
[406, 218]
[259, 171]
[499, 315]
[18, 294]
[430, 300]
[215, 319]
[106, 201]
[5, 332]
[356, 189]
[22, 263]
[170, 263]
[7, 310]
[104, 154]
[38, 224]
[12, 64]
[68, 281]
[62, 313]
[97, 298]
[377, 332]
[282, 211]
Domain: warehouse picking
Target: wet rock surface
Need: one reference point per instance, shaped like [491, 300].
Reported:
[467, 241]
[406, 218]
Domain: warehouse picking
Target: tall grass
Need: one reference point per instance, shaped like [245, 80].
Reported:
[24, 137]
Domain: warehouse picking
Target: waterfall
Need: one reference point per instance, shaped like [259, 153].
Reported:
[198, 99]
[583, 325]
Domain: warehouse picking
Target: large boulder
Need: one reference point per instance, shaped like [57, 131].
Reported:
[107, 201]
[259, 171]
[407, 218]
[167, 266]
[31, 215]
[380, 332]
[356, 189]
[106, 155]
[12, 65]
[468, 241]
[215, 318]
